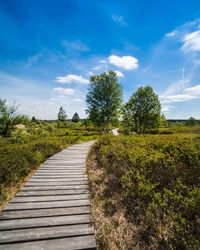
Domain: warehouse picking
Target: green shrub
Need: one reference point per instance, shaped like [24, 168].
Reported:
[154, 179]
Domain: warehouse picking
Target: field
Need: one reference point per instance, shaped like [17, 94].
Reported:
[145, 190]
[31, 144]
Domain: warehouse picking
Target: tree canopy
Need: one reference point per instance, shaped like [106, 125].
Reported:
[75, 118]
[191, 121]
[104, 99]
[142, 111]
[9, 117]
[62, 115]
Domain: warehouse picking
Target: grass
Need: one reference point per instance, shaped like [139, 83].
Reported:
[145, 190]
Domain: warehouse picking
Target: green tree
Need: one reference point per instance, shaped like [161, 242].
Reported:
[86, 123]
[163, 121]
[62, 115]
[34, 119]
[104, 99]
[75, 118]
[128, 122]
[143, 110]
[8, 117]
[191, 121]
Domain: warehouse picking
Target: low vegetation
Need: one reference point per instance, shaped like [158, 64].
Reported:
[145, 191]
[29, 145]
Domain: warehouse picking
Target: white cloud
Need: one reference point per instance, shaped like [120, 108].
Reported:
[103, 61]
[75, 45]
[178, 98]
[171, 34]
[64, 91]
[119, 74]
[167, 108]
[125, 62]
[97, 67]
[195, 90]
[70, 78]
[119, 20]
[78, 100]
[191, 42]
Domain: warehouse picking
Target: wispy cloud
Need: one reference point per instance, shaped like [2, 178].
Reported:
[167, 108]
[119, 73]
[64, 91]
[178, 98]
[119, 20]
[171, 34]
[98, 67]
[70, 78]
[191, 42]
[195, 90]
[75, 45]
[124, 62]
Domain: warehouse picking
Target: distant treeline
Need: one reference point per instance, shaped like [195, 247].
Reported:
[180, 120]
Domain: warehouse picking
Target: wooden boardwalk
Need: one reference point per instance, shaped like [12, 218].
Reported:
[52, 211]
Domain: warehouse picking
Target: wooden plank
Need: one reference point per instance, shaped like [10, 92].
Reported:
[60, 178]
[52, 180]
[64, 187]
[62, 165]
[44, 221]
[50, 198]
[24, 235]
[64, 176]
[55, 183]
[53, 175]
[63, 168]
[68, 161]
[46, 212]
[64, 171]
[46, 204]
[59, 174]
[63, 157]
[70, 243]
[53, 192]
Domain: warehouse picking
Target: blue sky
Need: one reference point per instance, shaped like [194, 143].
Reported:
[49, 49]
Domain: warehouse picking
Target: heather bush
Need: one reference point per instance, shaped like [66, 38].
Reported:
[154, 180]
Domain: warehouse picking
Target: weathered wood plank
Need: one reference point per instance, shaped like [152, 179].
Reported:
[64, 176]
[64, 161]
[62, 168]
[55, 183]
[44, 221]
[59, 178]
[54, 175]
[53, 192]
[51, 204]
[64, 171]
[45, 212]
[50, 198]
[24, 235]
[63, 157]
[69, 243]
[63, 187]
